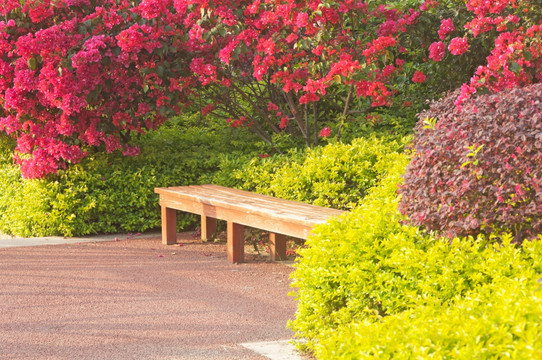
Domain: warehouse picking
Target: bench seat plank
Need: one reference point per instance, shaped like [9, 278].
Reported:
[265, 203]
[250, 203]
[273, 202]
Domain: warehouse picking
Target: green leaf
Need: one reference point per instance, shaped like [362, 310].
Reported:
[32, 63]
[160, 70]
[514, 67]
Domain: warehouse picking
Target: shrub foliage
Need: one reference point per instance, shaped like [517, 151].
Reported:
[108, 193]
[478, 170]
[498, 320]
[369, 287]
[336, 175]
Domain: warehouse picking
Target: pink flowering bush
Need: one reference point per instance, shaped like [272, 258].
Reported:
[418, 77]
[339, 61]
[458, 46]
[75, 76]
[437, 51]
[506, 32]
[446, 27]
[294, 67]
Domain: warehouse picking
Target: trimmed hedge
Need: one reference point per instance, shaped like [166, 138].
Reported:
[109, 192]
[336, 175]
[370, 287]
[326, 295]
[498, 320]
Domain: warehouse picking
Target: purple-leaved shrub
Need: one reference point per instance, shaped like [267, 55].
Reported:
[478, 170]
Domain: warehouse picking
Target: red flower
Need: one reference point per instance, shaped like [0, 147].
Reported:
[225, 53]
[207, 109]
[446, 27]
[291, 38]
[458, 46]
[308, 98]
[271, 106]
[418, 77]
[302, 19]
[378, 46]
[437, 51]
[325, 132]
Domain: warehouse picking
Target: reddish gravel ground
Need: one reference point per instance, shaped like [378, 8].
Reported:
[138, 299]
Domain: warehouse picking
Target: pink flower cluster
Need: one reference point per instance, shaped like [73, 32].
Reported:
[458, 46]
[516, 58]
[446, 27]
[75, 76]
[418, 77]
[437, 50]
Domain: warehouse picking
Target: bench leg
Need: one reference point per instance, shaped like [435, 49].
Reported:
[208, 227]
[236, 243]
[169, 226]
[277, 246]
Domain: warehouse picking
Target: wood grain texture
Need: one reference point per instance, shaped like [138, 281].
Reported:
[236, 243]
[169, 225]
[208, 227]
[252, 203]
[283, 225]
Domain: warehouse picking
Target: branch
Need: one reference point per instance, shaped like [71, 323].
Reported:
[345, 111]
[315, 118]
[297, 117]
[264, 115]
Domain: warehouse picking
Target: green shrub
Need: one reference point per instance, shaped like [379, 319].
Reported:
[382, 122]
[336, 175]
[365, 272]
[345, 244]
[498, 320]
[111, 193]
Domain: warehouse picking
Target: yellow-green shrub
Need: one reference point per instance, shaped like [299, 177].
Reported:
[109, 192]
[326, 296]
[336, 175]
[500, 320]
[366, 273]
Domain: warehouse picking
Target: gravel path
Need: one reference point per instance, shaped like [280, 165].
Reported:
[138, 299]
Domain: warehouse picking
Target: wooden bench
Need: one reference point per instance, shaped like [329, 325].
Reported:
[240, 208]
